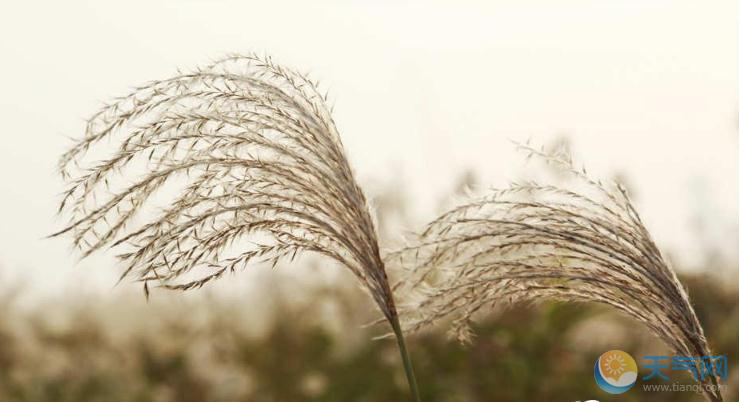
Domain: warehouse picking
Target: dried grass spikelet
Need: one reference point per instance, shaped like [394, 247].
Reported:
[260, 153]
[532, 242]
[264, 172]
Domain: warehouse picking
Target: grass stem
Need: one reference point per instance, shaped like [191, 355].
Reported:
[407, 364]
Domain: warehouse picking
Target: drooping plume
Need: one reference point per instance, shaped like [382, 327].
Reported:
[580, 242]
[256, 154]
[261, 175]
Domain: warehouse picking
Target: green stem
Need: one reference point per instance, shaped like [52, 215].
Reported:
[407, 364]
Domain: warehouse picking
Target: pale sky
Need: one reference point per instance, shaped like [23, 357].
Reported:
[422, 90]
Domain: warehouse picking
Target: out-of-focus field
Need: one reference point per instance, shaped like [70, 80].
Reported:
[298, 333]
[296, 342]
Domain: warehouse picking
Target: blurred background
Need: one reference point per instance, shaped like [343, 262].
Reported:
[428, 97]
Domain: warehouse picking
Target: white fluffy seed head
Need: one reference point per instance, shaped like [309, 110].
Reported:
[259, 168]
[581, 242]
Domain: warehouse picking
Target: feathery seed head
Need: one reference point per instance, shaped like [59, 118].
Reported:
[532, 242]
[260, 157]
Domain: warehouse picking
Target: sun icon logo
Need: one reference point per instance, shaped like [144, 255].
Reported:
[615, 371]
[615, 365]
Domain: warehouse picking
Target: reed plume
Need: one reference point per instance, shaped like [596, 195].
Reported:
[579, 242]
[260, 167]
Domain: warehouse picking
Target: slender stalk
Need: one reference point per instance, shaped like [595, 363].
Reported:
[407, 364]
[715, 396]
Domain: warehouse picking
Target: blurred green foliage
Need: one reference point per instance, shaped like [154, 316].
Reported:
[207, 353]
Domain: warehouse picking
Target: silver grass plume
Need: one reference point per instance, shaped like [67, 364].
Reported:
[260, 157]
[532, 242]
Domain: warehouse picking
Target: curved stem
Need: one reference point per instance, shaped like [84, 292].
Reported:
[714, 396]
[407, 364]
